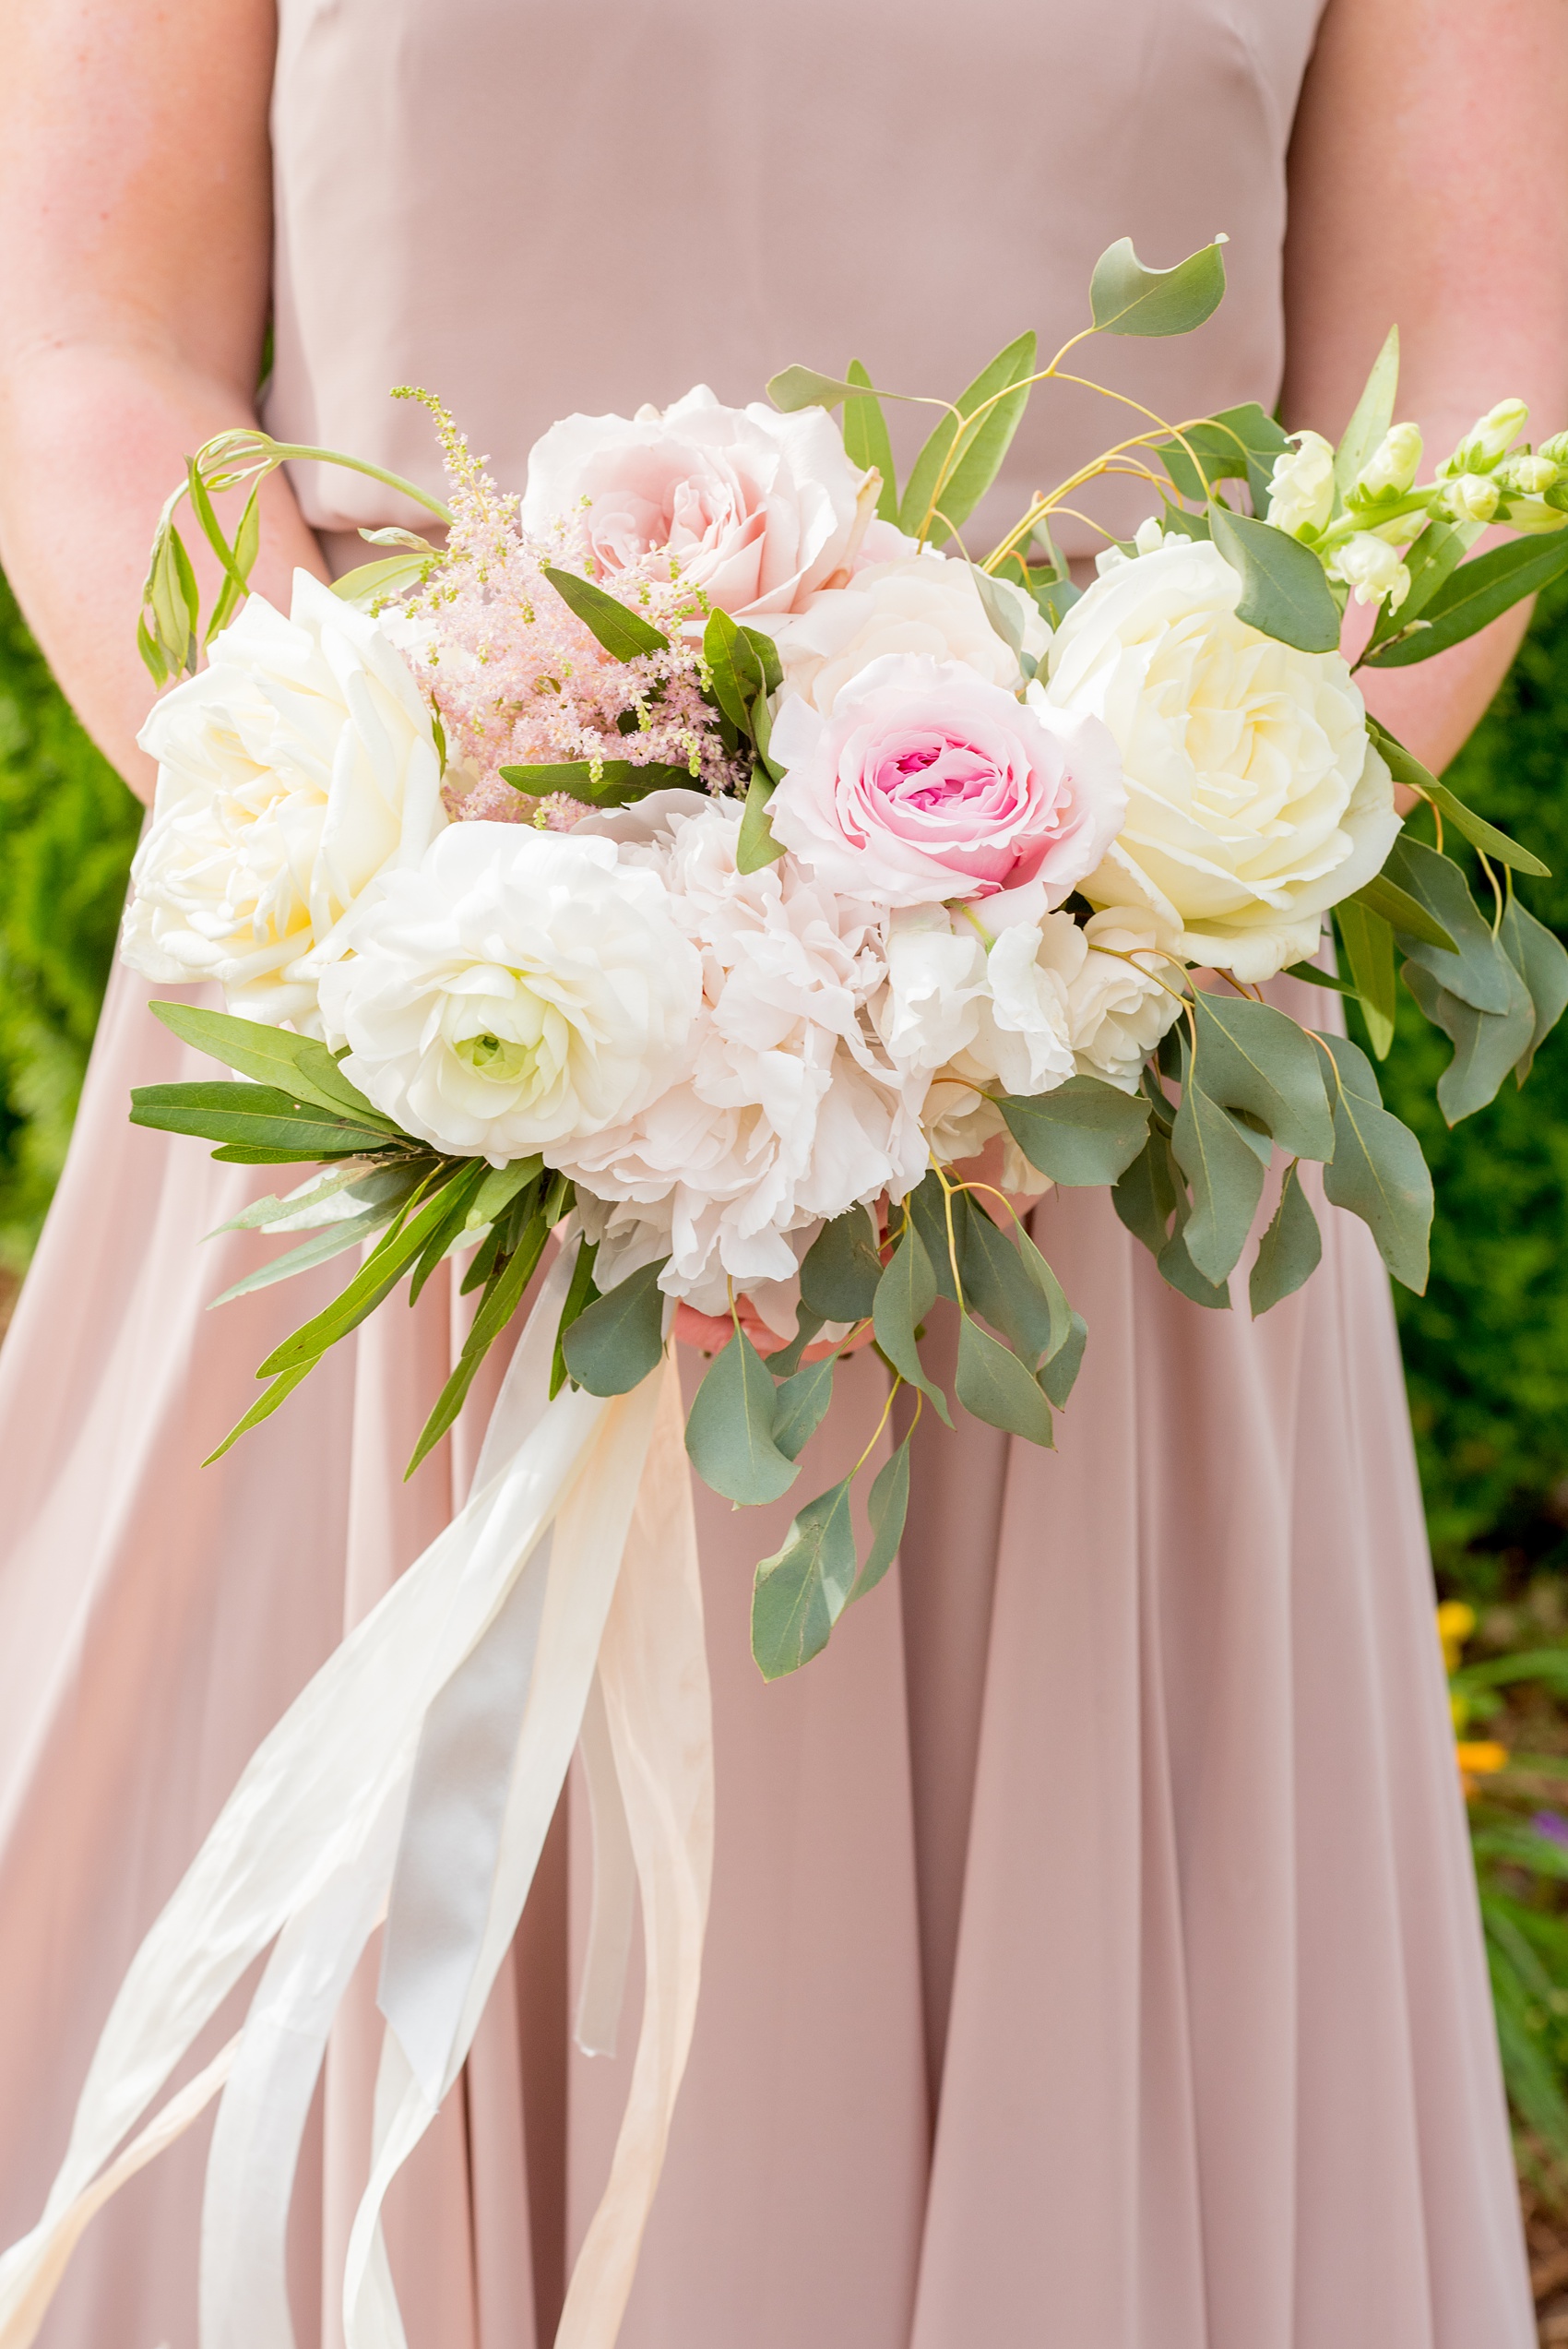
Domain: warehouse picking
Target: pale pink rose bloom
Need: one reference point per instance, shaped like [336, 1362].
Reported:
[928, 783]
[757, 509]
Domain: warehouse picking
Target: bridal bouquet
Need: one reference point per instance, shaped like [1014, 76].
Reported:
[709, 859]
[704, 854]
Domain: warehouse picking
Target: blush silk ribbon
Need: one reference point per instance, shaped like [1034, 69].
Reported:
[412, 1782]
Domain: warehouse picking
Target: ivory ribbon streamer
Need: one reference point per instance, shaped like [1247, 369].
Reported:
[613, 1912]
[501, 1617]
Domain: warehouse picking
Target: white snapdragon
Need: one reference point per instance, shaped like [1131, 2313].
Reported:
[1374, 569]
[293, 769]
[1471, 497]
[1488, 438]
[1392, 465]
[1302, 491]
[516, 992]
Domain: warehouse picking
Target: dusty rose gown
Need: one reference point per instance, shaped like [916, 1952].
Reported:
[1093, 1958]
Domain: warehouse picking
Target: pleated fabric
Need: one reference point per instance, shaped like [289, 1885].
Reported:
[1094, 1956]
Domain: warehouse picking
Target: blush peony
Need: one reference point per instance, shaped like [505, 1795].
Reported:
[929, 783]
[298, 765]
[518, 991]
[1255, 799]
[757, 509]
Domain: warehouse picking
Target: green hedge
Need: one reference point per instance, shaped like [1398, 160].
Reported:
[67, 828]
[1486, 1348]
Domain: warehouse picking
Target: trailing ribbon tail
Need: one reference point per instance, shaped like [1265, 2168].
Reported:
[321, 1830]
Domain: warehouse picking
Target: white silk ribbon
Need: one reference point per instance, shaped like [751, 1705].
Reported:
[422, 1767]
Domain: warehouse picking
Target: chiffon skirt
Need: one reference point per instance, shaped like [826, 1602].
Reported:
[1094, 1956]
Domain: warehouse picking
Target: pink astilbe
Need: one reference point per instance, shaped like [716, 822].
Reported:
[518, 680]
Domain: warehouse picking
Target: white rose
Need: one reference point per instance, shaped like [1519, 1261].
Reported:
[298, 765]
[518, 991]
[926, 603]
[1301, 496]
[1373, 567]
[757, 509]
[1255, 800]
[1119, 1009]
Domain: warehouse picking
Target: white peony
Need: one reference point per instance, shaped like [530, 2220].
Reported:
[516, 992]
[786, 1110]
[1255, 799]
[293, 771]
[757, 509]
[924, 604]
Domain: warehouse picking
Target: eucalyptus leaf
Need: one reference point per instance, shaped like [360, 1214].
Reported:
[1401, 911]
[1055, 599]
[993, 1385]
[1309, 975]
[1127, 298]
[1252, 1057]
[1369, 949]
[866, 441]
[1015, 1289]
[1290, 1249]
[887, 1507]
[1238, 443]
[1226, 1174]
[624, 634]
[1374, 414]
[1477, 970]
[1285, 592]
[1377, 1169]
[1477, 593]
[802, 1400]
[786, 1360]
[1144, 1198]
[1060, 1374]
[930, 1206]
[756, 845]
[297, 1064]
[1539, 957]
[616, 784]
[617, 1340]
[905, 1294]
[730, 1430]
[962, 456]
[795, 388]
[582, 1290]
[804, 1588]
[841, 1269]
[1178, 1270]
[1406, 767]
[1084, 1132]
[1486, 1044]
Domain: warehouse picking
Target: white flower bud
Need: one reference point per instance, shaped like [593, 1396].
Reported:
[1487, 439]
[1373, 567]
[1301, 489]
[1393, 464]
[1528, 475]
[1533, 514]
[1472, 498]
[1149, 536]
[1556, 448]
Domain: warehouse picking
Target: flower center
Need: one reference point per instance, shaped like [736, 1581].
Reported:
[496, 1057]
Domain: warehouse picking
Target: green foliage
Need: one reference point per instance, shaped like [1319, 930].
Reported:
[1486, 1348]
[67, 828]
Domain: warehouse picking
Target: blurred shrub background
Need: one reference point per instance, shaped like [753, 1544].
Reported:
[1486, 1349]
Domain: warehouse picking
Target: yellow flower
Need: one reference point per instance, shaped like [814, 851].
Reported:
[1480, 1759]
[1456, 1622]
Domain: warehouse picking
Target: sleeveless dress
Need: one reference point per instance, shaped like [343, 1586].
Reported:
[1094, 1956]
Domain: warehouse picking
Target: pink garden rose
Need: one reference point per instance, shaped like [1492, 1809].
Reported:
[756, 508]
[929, 783]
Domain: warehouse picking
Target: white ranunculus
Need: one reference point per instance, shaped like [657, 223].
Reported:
[925, 604]
[291, 772]
[1255, 799]
[1301, 493]
[757, 509]
[1374, 569]
[786, 1110]
[518, 991]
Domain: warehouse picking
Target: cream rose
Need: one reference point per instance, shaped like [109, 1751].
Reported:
[757, 509]
[924, 604]
[1255, 799]
[518, 992]
[296, 767]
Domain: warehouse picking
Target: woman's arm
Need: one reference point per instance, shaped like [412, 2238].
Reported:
[1428, 185]
[135, 260]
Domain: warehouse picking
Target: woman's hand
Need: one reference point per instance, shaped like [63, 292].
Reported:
[1429, 187]
[135, 268]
